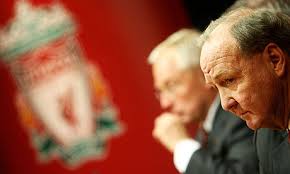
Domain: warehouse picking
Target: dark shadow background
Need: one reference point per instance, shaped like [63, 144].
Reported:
[201, 12]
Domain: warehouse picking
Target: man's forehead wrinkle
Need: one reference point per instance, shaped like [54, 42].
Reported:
[207, 79]
[216, 61]
[219, 50]
[211, 63]
[219, 72]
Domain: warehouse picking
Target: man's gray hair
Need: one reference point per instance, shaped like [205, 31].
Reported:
[226, 19]
[277, 5]
[253, 31]
[182, 46]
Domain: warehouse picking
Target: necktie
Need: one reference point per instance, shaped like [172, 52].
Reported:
[288, 135]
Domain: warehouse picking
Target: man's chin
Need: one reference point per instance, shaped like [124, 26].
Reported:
[188, 119]
[253, 124]
[251, 120]
[191, 120]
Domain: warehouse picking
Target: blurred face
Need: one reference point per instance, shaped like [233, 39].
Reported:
[248, 86]
[180, 91]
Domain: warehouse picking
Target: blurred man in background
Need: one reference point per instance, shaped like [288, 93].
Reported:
[223, 143]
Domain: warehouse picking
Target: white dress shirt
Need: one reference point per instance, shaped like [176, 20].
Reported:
[185, 148]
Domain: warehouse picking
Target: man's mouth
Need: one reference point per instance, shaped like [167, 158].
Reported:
[244, 115]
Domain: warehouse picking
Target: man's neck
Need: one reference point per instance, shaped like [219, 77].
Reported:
[285, 98]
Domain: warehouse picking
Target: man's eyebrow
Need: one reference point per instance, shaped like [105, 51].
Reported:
[221, 72]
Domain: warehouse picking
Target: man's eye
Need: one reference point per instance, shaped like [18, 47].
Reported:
[229, 81]
[171, 85]
[212, 87]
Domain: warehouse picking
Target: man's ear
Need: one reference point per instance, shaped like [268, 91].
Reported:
[276, 58]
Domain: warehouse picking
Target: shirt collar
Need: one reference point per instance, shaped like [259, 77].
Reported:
[208, 122]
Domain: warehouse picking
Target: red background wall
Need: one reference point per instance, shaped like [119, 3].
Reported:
[117, 36]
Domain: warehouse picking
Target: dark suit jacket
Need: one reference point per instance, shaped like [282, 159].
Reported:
[273, 151]
[230, 148]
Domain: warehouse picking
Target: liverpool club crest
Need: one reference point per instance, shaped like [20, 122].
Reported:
[63, 101]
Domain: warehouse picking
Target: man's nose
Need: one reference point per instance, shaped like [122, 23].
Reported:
[166, 101]
[228, 103]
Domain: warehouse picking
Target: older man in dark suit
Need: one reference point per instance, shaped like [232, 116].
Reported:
[245, 55]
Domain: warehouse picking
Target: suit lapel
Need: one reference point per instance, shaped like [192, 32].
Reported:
[218, 134]
[281, 156]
